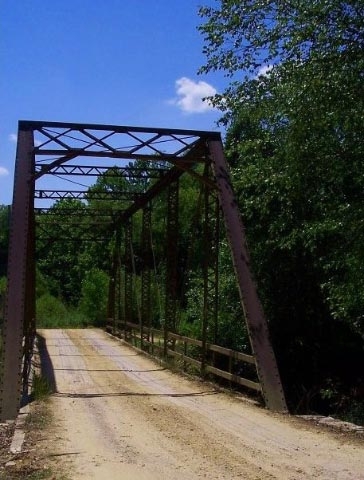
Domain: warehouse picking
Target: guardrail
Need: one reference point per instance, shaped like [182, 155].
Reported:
[186, 352]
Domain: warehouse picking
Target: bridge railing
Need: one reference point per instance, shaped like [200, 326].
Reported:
[189, 354]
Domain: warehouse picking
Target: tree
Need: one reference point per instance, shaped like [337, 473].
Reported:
[293, 112]
[2, 300]
[94, 296]
[4, 237]
[60, 248]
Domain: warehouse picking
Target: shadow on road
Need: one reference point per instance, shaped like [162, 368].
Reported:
[46, 365]
[107, 370]
[134, 394]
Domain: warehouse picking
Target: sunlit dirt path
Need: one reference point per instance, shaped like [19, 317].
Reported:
[119, 415]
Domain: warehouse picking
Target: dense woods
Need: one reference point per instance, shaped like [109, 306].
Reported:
[294, 117]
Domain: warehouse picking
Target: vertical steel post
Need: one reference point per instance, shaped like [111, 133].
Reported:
[146, 273]
[128, 300]
[120, 299]
[172, 262]
[257, 325]
[213, 217]
[111, 302]
[210, 268]
[29, 316]
[205, 276]
[214, 270]
[110, 310]
[20, 291]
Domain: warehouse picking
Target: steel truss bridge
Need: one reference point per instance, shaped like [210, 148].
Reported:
[69, 153]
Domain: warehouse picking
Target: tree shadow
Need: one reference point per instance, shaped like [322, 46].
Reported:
[135, 394]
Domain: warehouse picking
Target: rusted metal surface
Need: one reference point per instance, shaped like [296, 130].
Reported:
[69, 212]
[64, 150]
[67, 141]
[170, 313]
[128, 278]
[82, 194]
[147, 265]
[96, 171]
[210, 271]
[257, 325]
[30, 307]
[20, 287]
[113, 282]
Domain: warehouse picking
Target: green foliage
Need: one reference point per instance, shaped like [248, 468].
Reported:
[2, 301]
[295, 127]
[51, 312]
[4, 237]
[2, 287]
[40, 387]
[41, 284]
[190, 328]
[354, 412]
[242, 35]
[231, 329]
[94, 296]
[60, 248]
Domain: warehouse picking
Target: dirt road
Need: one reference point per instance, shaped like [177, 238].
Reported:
[119, 415]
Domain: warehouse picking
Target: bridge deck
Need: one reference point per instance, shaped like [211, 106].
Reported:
[120, 415]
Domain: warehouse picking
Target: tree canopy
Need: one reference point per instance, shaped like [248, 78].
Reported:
[294, 117]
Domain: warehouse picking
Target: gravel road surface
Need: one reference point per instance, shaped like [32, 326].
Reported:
[120, 415]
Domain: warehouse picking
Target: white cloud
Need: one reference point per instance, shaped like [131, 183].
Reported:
[3, 171]
[191, 95]
[264, 70]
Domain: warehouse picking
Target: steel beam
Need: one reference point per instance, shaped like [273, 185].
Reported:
[99, 170]
[210, 271]
[71, 126]
[30, 307]
[128, 282]
[111, 301]
[82, 194]
[172, 262]
[19, 291]
[146, 271]
[257, 325]
[71, 212]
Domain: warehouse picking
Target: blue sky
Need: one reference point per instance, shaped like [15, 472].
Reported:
[124, 62]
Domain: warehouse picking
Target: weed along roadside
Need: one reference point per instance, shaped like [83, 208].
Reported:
[23, 453]
[22, 450]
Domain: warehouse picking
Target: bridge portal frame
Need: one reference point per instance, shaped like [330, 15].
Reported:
[62, 143]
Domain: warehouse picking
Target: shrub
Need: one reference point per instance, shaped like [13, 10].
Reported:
[94, 296]
[51, 312]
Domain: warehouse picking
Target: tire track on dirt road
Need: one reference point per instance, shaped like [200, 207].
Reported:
[120, 415]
